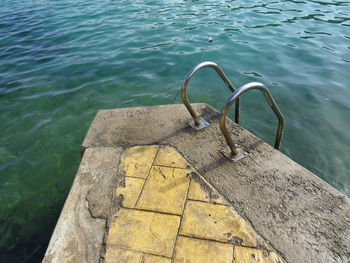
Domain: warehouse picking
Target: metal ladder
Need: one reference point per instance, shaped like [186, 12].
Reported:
[235, 152]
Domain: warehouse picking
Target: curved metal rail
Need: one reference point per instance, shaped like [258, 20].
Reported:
[235, 152]
[200, 123]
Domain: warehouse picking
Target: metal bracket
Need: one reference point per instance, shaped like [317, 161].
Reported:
[234, 157]
[202, 124]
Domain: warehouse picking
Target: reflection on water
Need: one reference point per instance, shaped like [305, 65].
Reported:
[61, 61]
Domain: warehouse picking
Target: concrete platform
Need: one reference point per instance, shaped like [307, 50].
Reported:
[282, 212]
[169, 213]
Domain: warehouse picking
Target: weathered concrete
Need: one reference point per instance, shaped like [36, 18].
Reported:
[78, 236]
[167, 214]
[304, 218]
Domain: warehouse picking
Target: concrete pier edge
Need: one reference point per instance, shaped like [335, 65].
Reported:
[302, 217]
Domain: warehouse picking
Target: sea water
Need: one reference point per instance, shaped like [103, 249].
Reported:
[61, 61]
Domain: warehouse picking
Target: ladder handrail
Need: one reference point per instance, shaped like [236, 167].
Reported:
[235, 96]
[193, 71]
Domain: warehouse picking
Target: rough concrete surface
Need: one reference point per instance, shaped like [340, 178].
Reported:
[166, 215]
[304, 218]
[79, 233]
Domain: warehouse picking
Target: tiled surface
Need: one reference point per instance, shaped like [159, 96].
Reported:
[216, 198]
[121, 255]
[131, 191]
[169, 214]
[195, 250]
[196, 192]
[169, 157]
[155, 259]
[252, 255]
[137, 161]
[143, 231]
[165, 190]
[215, 222]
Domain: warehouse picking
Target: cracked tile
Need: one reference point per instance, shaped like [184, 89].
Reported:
[165, 190]
[215, 222]
[155, 259]
[143, 231]
[136, 161]
[202, 251]
[211, 231]
[131, 191]
[168, 156]
[121, 255]
[252, 255]
[216, 198]
[196, 192]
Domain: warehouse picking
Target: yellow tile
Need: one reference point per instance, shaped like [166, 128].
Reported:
[155, 259]
[165, 190]
[114, 255]
[216, 198]
[131, 191]
[196, 192]
[142, 231]
[191, 250]
[136, 161]
[216, 222]
[168, 156]
[251, 255]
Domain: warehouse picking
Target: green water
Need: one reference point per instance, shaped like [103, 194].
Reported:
[61, 61]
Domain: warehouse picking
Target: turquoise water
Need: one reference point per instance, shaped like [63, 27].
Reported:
[61, 61]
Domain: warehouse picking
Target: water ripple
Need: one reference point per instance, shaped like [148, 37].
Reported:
[61, 61]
